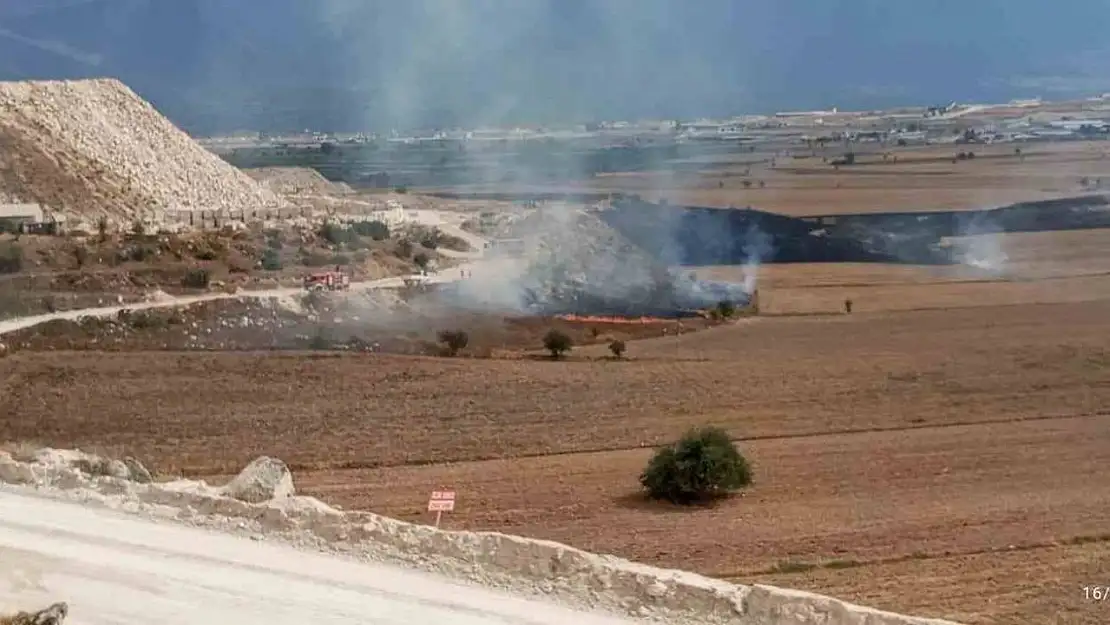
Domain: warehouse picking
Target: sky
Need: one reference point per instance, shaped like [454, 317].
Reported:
[346, 65]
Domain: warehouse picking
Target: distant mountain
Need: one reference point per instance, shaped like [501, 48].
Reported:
[218, 65]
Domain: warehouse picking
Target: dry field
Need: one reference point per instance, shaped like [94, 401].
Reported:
[941, 451]
[911, 178]
[1040, 267]
[944, 462]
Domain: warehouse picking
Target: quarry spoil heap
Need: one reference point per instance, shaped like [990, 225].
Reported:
[88, 149]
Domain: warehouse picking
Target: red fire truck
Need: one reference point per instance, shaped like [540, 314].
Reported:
[328, 281]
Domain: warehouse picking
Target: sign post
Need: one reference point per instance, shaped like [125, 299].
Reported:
[441, 501]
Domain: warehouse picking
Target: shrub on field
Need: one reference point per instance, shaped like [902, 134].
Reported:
[556, 342]
[197, 278]
[377, 230]
[702, 465]
[271, 260]
[617, 346]
[454, 341]
[11, 258]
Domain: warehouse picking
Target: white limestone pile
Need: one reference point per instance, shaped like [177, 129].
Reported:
[93, 148]
[296, 181]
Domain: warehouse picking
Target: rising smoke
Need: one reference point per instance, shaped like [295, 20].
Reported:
[445, 63]
[979, 244]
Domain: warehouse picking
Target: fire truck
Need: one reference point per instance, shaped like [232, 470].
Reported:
[328, 281]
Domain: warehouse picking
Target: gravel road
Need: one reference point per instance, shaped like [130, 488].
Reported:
[119, 569]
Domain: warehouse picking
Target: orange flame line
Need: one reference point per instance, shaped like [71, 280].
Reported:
[625, 320]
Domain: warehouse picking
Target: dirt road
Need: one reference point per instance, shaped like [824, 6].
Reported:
[119, 569]
[451, 275]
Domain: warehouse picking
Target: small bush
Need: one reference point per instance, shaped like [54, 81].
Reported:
[205, 253]
[80, 256]
[404, 248]
[454, 341]
[726, 309]
[702, 465]
[336, 234]
[271, 260]
[11, 258]
[617, 346]
[430, 240]
[421, 260]
[556, 342]
[197, 279]
[377, 230]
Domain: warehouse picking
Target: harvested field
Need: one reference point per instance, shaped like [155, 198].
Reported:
[866, 502]
[882, 442]
[914, 178]
[1034, 267]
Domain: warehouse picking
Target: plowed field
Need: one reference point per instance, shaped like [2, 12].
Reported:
[942, 462]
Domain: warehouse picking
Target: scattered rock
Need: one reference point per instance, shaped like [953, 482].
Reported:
[14, 472]
[264, 479]
[53, 615]
[137, 472]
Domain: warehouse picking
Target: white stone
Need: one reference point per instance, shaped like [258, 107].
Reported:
[264, 479]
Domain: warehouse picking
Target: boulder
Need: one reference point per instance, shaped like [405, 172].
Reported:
[98, 466]
[15, 472]
[264, 479]
[137, 471]
[53, 615]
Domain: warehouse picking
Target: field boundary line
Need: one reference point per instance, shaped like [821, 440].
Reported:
[363, 465]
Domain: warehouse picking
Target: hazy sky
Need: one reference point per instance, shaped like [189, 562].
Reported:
[216, 65]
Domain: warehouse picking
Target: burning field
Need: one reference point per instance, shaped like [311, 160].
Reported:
[384, 321]
[931, 452]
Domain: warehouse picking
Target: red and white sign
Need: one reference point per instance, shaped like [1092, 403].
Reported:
[441, 501]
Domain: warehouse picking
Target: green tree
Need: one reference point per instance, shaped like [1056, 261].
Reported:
[377, 230]
[454, 341]
[557, 342]
[702, 465]
[617, 346]
[197, 278]
[271, 260]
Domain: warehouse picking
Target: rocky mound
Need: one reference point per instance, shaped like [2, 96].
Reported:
[261, 501]
[569, 248]
[575, 263]
[92, 148]
[54, 614]
[296, 181]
